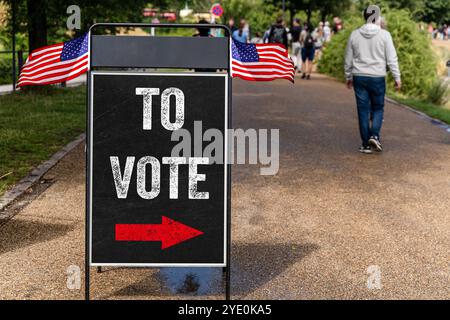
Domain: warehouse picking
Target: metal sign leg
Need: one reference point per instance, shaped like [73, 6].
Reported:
[86, 283]
[87, 217]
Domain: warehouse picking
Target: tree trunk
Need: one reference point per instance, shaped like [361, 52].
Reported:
[291, 15]
[309, 14]
[324, 15]
[37, 24]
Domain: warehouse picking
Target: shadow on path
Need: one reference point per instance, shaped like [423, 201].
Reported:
[253, 265]
[16, 234]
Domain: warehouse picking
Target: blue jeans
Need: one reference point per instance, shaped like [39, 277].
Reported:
[308, 54]
[369, 92]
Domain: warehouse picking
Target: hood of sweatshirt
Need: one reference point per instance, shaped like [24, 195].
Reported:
[369, 30]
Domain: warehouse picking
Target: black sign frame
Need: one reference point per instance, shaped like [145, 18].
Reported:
[209, 59]
[91, 166]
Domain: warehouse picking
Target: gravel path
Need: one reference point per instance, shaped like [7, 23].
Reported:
[311, 232]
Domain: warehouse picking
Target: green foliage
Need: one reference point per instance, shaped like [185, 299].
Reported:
[314, 17]
[103, 11]
[433, 110]
[436, 11]
[5, 70]
[439, 92]
[175, 5]
[332, 61]
[313, 11]
[259, 15]
[261, 20]
[6, 40]
[414, 6]
[91, 12]
[417, 60]
[238, 9]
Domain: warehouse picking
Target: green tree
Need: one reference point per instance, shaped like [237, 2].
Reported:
[196, 5]
[95, 11]
[332, 7]
[324, 8]
[411, 5]
[5, 33]
[258, 13]
[45, 20]
[421, 10]
[436, 11]
[238, 9]
[37, 23]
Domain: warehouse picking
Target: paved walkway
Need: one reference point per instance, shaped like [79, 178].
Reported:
[311, 232]
[8, 88]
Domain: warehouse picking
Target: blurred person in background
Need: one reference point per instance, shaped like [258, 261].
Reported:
[307, 42]
[319, 37]
[327, 32]
[278, 33]
[202, 32]
[442, 32]
[295, 32]
[266, 35]
[232, 25]
[383, 23]
[257, 38]
[240, 34]
[246, 28]
[337, 25]
[431, 30]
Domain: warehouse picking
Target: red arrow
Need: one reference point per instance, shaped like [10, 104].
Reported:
[169, 232]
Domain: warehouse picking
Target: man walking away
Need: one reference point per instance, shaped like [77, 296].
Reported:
[370, 50]
[295, 31]
[278, 33]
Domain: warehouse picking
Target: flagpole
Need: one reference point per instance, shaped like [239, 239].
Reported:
[13, 18]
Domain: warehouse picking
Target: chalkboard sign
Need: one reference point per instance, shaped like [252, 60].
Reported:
[147, 205]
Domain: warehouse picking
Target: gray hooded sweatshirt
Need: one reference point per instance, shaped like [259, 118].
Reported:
[370, 50]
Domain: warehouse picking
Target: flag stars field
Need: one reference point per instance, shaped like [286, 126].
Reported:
[75, 48]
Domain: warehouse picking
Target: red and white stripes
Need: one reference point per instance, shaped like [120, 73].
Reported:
[44, 66]
[274, 63]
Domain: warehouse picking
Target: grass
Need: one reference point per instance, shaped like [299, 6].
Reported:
[5, 68]
[35, 125]
[434, 111]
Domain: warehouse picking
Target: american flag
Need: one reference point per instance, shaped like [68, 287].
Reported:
[261, 62]
[56, 63]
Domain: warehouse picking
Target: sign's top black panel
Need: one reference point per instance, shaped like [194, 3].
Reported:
[159, 52]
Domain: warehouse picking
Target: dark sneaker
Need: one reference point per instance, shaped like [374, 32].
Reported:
[308, 77]
[366, 150]
[375, 144]
[303, 76]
